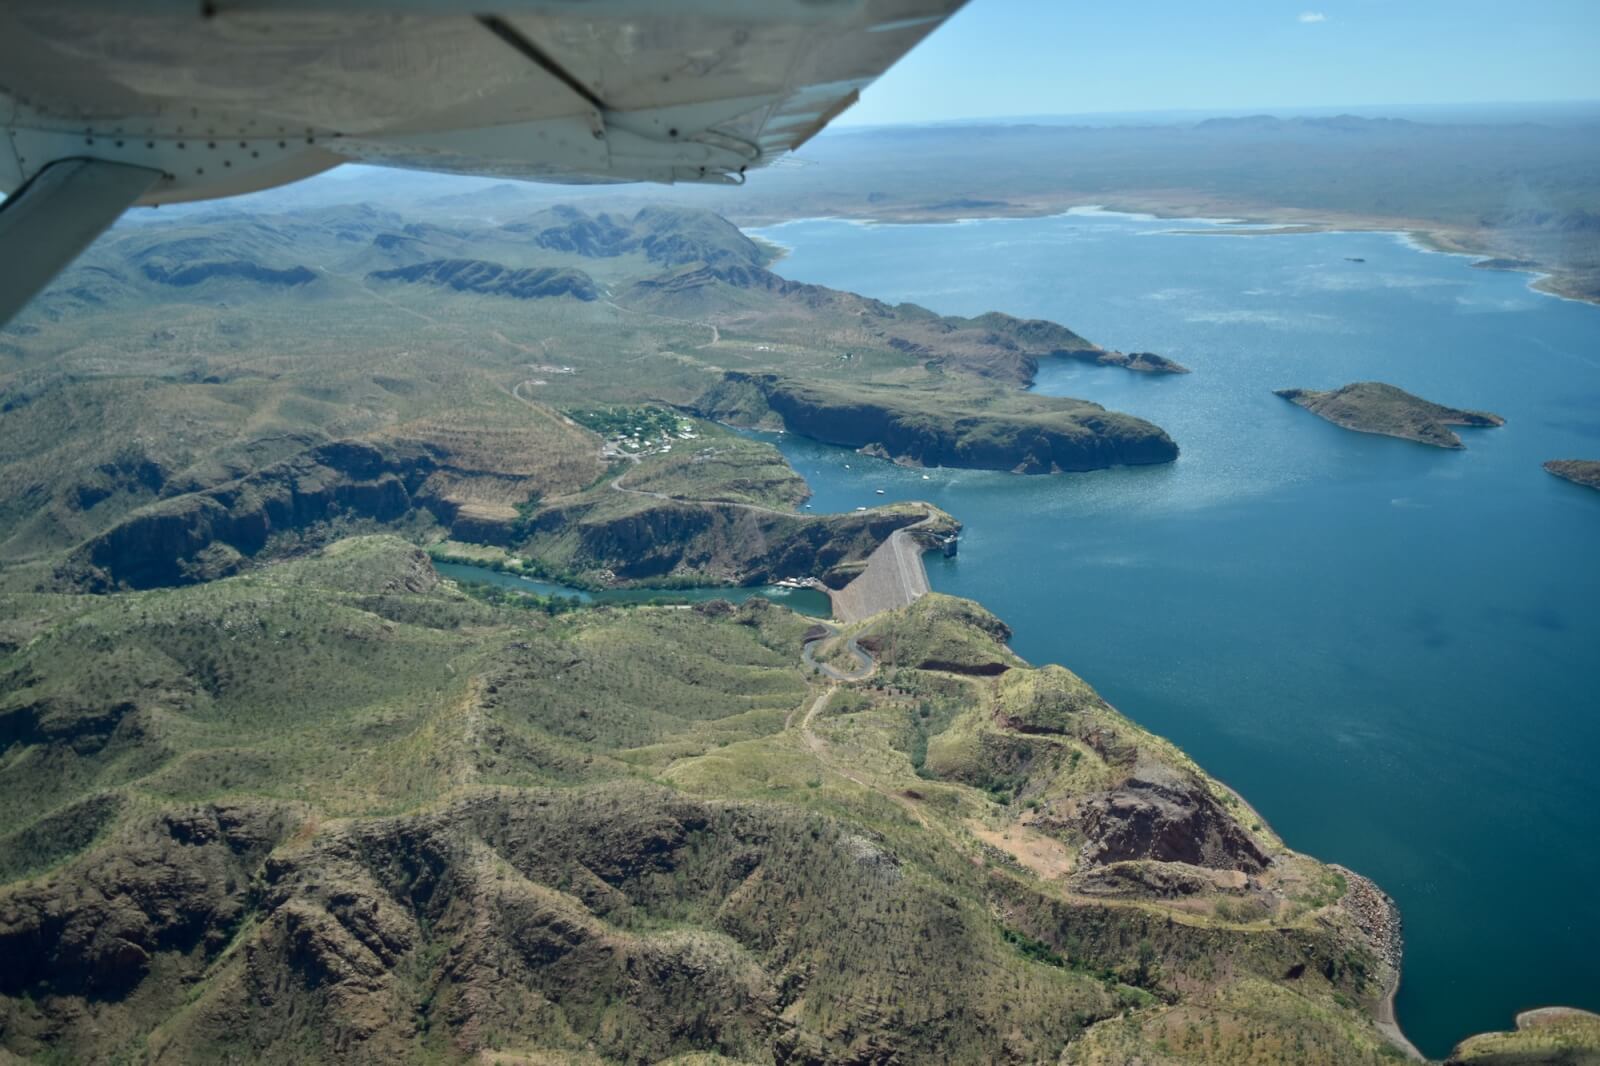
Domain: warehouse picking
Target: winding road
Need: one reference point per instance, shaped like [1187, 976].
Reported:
[866, 665]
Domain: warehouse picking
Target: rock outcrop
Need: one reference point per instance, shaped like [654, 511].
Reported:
[1159, 813]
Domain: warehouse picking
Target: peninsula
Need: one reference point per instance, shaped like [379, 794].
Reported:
[962, 423]
[1585, 472]
[1374, 407]
[1559, 1035]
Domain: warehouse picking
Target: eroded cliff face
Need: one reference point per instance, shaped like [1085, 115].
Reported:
[1158, 813]
[656, 538]
[208, 534]
[176, 889]
[1028, 435]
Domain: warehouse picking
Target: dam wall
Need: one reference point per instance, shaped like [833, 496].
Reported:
[894, 577]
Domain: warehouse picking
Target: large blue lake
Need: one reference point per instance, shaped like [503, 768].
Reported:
[1391, 650]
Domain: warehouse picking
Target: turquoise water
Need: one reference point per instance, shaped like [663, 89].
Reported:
[1389, 649]
[802, 601]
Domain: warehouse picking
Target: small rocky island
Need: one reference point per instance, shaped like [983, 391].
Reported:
[1374, 407]
[1585, 472]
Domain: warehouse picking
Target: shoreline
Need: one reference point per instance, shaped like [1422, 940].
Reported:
[1427, 237]
[1384, 1016]
[1383, 1008]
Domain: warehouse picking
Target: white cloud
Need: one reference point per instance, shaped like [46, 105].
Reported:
[1313, 16]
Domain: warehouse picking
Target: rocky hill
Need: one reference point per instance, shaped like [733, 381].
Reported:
[670, 236]
[334, 810]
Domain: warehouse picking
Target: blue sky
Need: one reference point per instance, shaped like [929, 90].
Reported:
[1036, 57]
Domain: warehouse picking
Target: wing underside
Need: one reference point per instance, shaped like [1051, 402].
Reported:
[104, 104]
[235, 96]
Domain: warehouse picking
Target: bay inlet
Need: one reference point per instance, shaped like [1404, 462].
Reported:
[1387, 648]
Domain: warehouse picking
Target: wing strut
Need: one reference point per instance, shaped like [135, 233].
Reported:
[54, 216]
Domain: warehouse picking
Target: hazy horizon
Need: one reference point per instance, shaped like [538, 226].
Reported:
[1079, 59]
[1483, 111]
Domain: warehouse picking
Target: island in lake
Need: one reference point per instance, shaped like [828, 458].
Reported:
[1374, 407]
[1585, 472]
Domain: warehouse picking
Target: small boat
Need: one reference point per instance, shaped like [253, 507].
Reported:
[925, 477]
[880, 492]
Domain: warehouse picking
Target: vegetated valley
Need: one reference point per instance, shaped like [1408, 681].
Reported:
[271, 790]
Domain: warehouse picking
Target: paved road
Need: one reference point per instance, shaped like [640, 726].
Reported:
[865, 665]
[912, 575]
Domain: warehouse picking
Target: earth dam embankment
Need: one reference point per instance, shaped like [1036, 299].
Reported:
[894, 575]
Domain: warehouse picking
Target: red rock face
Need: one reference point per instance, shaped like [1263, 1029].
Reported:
[1159, 814]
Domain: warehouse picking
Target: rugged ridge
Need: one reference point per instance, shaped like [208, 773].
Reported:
[625, 836]
[494, 279]
[992, 345]
[643, 539]
[188, 274]
[1000, 431]
[670, 236]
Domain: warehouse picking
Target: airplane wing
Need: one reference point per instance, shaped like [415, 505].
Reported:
[105, 104]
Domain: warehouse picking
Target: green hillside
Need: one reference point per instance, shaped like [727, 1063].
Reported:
[271, 790]
[334, 809]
